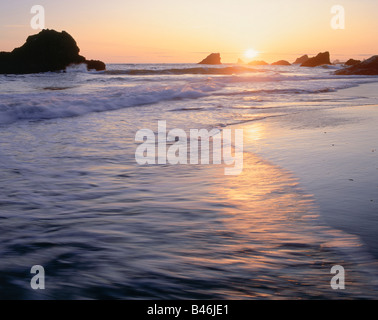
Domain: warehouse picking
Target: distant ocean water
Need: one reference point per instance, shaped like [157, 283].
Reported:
[74, 200]
[77, 92]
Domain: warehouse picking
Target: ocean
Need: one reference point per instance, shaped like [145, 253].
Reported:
[74, 200]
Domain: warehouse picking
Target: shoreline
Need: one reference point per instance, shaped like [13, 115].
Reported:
[334, 159]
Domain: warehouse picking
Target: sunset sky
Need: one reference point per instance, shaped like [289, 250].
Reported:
[178, 31]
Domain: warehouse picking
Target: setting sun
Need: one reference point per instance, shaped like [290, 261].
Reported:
[251, 53]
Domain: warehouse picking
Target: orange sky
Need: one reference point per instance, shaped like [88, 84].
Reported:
[167, 31]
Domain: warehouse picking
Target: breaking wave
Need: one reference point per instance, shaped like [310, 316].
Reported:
[76, 93]
[183, 71]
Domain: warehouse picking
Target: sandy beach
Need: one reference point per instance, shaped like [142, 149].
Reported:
[333, 153]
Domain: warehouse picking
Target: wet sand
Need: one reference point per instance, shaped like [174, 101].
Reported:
[334, 155]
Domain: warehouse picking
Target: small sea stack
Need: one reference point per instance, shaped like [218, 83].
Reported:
[367, 67]
[214, 58]
[258, 63]
[321, 59]
[281, 63]
[352, 62]
[301, 60]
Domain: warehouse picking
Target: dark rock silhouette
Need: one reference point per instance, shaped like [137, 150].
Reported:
[46, 51]
[95, 65]
[257, 63]
[320, 59]
[366, 67]
[352, 62]
[301, 59]
[213, 58]
[281, 63]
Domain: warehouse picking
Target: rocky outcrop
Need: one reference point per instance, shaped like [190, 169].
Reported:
[281, 63]
[213, 58]
[95, 65]
[366, 67]
[46, 51]
[258, 63]
[240, 61]
[320, 59]
[301, 59]
[352, 62]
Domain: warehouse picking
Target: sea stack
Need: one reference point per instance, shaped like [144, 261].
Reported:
[367, 67]
[281, 63]
[47, 51]
[352, 62]
[321, 59]
[258, 63]
[301, 59]
[95, 65]
[213, 58]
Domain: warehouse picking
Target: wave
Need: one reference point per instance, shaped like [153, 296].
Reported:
[183, 71]
[58, 102]
[71, 96]
[53, 104]
[279, 91]
[55, 88]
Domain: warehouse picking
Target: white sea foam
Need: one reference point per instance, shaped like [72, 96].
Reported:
[78, 92]
[57, 104]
